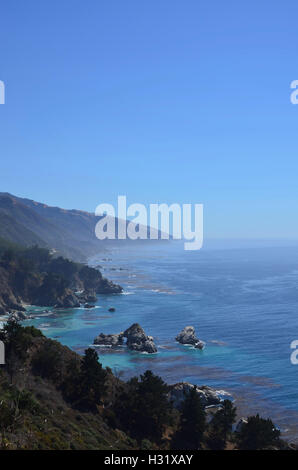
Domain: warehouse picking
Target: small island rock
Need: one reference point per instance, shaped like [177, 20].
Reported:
[137, 340]
[187, 336]
[109, 340]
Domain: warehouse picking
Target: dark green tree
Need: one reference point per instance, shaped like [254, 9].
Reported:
[257, 433]
[17, 340]
[47, 361]
[192, 423]
[221, 425]
[92, 378]
[143, 408]
[153, 407]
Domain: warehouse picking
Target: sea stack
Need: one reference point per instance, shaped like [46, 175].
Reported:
[188, 336]
[137, 340]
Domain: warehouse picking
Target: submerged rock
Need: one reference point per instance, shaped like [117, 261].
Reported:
[187, 336]
[137, 340]
[109, 340]
[112, 309]
[207, 395]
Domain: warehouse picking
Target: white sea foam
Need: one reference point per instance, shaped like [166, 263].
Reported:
[223, 392]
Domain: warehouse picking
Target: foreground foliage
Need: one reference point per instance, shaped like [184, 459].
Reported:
[52, 398]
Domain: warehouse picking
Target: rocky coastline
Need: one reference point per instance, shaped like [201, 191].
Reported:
[33, 276]
[209, 396]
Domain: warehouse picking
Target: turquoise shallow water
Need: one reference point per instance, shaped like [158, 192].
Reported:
[243, 303]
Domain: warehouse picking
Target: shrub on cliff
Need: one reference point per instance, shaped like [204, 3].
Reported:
[46, 362]
[17, 340]
[52, 287]
[85, 384]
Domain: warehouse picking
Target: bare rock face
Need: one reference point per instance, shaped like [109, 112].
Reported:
[88, 296]
[137, 340]
[188, 336]
[108, 287]
[242, 421]
[9, 300]
[109, 340]
[207, 395]
[69, 300]
[18, 316]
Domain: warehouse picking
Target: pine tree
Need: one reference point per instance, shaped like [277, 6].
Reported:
[221, 425]
[192, 423]
[143, 408]
[92, 381]
[257, 433]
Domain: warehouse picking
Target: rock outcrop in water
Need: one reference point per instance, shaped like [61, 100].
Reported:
[178, 392]
[187, 336]
[137, 340]
[109, 340]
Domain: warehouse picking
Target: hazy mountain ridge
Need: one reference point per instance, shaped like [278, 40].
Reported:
[70, 232]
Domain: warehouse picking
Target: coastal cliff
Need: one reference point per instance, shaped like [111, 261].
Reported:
[34, 276]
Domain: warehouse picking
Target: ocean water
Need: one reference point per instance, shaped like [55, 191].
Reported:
[242, 302]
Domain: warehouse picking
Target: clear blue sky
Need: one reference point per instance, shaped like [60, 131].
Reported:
[161, 100]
